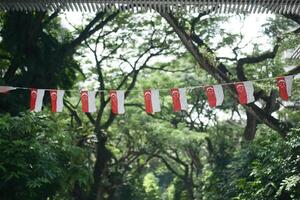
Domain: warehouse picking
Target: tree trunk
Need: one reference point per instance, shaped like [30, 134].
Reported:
[77, 192]
[190, 190]
[250, 130]
[103, 156]
[178, 189]
[204, 62]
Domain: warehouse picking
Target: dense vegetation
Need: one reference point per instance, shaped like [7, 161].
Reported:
[232, 152]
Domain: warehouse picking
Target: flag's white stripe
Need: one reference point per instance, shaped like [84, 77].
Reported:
[121, 101]
[91, 101]
[250, 91]
[155, 100]
[219, 94]
[6, 88]
[183, 100]
[289, 83]
[59, 100]
[39, 100]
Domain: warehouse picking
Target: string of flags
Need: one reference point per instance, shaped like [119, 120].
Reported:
[214, 93]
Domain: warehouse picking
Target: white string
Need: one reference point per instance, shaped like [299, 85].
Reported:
[190, 88]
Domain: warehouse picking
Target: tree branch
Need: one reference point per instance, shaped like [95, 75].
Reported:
[221, 77]
[90, 29]
[50, 18]
[169, 166]
[73, 112]
[255, 59]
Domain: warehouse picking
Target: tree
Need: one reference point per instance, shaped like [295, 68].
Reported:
[107, 49]
[218, 70]
[38, 53]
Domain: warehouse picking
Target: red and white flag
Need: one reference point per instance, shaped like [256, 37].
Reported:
[88, 101]
[4, 89]
[36, 99]
[215, 95]
[117, 100]
[179, 99]
[57, 100]
[152, 103]
[245, 92]
[284, 84]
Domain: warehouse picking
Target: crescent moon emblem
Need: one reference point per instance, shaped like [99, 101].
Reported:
[175, 93]
[33, 93]
[240, 87]
[210, 90]
[281, 83]
[113, 96]
[84, 96]
[147, 93]
[53, 95]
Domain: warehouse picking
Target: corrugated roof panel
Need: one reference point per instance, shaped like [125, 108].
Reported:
[296, 54]
[219, 6]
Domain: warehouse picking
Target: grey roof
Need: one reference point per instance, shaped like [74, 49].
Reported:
[219, 6]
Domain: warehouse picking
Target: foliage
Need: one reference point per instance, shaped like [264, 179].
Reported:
[195, 154]
[151, 187]
[32, 48]
[267, 168]
[37, 158]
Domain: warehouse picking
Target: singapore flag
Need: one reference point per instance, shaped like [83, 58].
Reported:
[88, 101]
[179, 99]
[36, 99]
[245, 92]
[57, 100]
[214, 95]
[117, 100]
[284, 84]
[152, 103]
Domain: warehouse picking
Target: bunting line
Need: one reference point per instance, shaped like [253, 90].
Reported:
[214, 93]
[189, 88]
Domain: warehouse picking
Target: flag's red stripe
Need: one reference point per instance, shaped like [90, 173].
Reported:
[33, 96]
[148, 101]
[281, 83]
[114, 102]
[211, 96]
[53, 95]
[242, 93]
[176, 100]
[84, 101]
